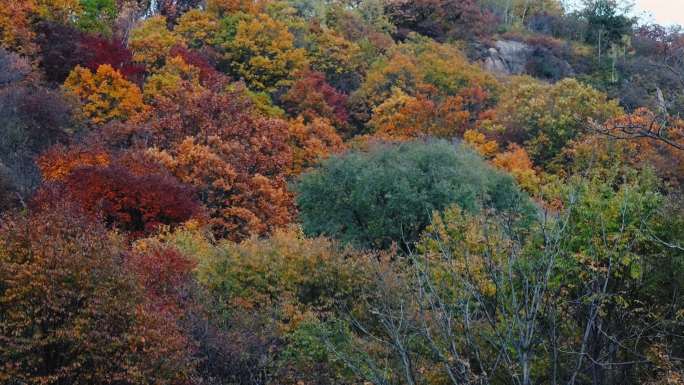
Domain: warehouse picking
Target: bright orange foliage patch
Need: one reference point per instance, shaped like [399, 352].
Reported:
[105, 95]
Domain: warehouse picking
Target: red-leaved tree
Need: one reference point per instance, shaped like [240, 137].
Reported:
[97, 51]
[215, 141]
[131, 197]
[311, 96]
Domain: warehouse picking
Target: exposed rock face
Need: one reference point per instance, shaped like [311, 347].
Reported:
[508, 57]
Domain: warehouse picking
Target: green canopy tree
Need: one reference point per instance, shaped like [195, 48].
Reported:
[387, 194]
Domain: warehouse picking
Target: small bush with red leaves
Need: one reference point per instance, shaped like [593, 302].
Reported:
[135, 204]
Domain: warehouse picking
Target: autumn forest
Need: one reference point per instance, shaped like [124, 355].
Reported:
[340, 192]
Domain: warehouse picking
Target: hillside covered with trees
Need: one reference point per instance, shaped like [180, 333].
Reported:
[340, 192]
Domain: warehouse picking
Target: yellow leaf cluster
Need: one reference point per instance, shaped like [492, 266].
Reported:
[264, 55]
[479, 142]
[224, 7]
[332, 54]
[197, 27]
[151, 42]
[173, 77]
[473, 247]
[105, 95]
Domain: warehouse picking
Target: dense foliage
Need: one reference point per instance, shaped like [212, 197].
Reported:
[387, 194]
[337, 192]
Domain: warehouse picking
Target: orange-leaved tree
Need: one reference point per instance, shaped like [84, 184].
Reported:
[238, 161]
[438, 76]
[402, 116]
[642, 138]
[517, 162]
[311, 142]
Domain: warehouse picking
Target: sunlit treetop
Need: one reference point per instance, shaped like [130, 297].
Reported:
[97, 16]
[105, 95]
[198, 28]
[224, 7]
[420, 66]
[263, 53]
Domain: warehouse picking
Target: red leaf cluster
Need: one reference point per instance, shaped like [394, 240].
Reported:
[311, 96]
[164, 273]
[209, 76]
[63, 47]
[98, 51]
[135, 204]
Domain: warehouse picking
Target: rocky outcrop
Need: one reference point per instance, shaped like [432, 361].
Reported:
[508, 57]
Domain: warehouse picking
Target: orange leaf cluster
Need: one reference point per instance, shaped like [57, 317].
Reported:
[518, 163]
[405, 117]
[643, 138]
[312, 142]
[238, 160]
[58, 162]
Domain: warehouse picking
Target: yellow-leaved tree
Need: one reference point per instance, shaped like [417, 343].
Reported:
[104, 95]
[198, 28]
[223, 7]
[543, 118]
[174, 76]
[263, 53]
[151, 42]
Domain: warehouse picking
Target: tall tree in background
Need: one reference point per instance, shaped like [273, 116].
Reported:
[441, 20]
[607, 24]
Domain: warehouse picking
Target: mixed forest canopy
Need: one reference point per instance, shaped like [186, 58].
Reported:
[340, 192]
